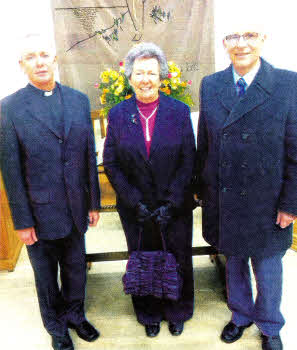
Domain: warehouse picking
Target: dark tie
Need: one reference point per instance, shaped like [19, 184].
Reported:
[240, 87]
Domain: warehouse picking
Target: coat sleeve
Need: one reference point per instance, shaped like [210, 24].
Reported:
[181, 182]
[11, 167]
[288, 198]
[128, 193]
[202, 148]
[94, 190]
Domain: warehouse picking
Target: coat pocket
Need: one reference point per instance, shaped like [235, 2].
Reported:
[40, 197]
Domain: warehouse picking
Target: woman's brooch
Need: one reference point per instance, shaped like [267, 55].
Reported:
[133, 118]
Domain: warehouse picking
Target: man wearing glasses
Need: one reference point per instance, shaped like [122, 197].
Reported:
[247, 179]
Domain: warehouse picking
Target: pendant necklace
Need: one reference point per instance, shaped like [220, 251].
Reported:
[147, 133]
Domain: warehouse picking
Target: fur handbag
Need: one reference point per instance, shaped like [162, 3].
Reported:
[153, 273]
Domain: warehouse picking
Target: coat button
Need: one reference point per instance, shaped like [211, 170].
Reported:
[225, 135]
[67, 163]
[224, 164]
[224, 189]
[245, 136]
[244, 165]
[60, 141]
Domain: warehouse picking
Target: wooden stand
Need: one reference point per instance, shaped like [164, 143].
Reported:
[294, 245]
[10, 245]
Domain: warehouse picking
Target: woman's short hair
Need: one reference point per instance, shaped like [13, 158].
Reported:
[146, 50]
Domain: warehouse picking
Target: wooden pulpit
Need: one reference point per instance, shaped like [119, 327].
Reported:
[10, 244]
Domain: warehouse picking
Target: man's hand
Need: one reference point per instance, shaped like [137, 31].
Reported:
[93, 218]
[284, 219]
[27, 235]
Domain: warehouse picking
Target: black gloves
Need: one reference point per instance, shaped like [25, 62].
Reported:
[142, 213]
[163, 216]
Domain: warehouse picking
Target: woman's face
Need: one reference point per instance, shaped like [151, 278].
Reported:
[145, 79]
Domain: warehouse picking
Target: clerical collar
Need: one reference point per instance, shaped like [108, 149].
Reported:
[43, 92]
[248, 77]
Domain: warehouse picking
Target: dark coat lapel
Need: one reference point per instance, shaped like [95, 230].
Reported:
[37, 110]
[257, 93]
[131, 119]
[68, 103]
[161, 124]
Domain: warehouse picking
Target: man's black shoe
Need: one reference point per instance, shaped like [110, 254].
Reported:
[271, 343]
[62, 343]
[176, 328]
[85, 331]
[231, 332]
[152, 330]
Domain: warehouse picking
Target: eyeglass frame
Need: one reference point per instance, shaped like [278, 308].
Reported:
[233, 39]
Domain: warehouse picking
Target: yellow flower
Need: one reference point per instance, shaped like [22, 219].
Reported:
[119, 89]
[166, 82]
[184, 84]
[105, 91]
[104, 77]
[128, 96]
[120, 79]
[114, 75]
[103, 99]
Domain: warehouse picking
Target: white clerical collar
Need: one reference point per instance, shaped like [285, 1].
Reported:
[43, 92]
[248, 77]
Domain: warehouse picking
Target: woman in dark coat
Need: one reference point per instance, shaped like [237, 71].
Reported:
[148, 157]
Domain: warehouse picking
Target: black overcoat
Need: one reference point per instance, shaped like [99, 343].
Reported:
[247, 161]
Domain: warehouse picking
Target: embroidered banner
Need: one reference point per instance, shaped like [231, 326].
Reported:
[93, 35]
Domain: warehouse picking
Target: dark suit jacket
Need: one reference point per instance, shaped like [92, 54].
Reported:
[51, 181]
[247, 161]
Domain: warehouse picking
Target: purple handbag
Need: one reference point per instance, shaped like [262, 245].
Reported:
[153, 273]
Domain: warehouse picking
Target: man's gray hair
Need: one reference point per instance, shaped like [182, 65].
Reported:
[146, 50]
[39, 40]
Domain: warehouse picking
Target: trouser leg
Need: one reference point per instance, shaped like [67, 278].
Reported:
[239, 290]
[268, 274]
[73, 277]
[43, 256]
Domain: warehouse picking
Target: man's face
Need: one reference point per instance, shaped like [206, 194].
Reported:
[244, 49]
[39, 65]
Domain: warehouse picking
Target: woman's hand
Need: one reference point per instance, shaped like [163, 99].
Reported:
[163, 216]
[142, 213]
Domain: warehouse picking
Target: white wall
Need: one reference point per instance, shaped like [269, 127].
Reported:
[18, 17]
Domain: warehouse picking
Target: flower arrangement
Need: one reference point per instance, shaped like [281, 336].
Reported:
[114, 87]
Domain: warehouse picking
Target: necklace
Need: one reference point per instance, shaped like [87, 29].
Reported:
[147, 133]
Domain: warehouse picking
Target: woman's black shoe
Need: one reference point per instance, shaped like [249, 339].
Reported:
[152, 330]
[176, 328]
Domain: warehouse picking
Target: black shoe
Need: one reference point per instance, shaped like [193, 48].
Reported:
[152, 330]
[231, 332]
[62, 343]
[271, 343]
[176, 328]
[85, 331]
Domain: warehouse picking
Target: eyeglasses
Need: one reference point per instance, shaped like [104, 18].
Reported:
[249, 38]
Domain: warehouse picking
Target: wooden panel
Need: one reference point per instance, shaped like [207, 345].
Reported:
[294, 245]
[10, 244]
[108, 196]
